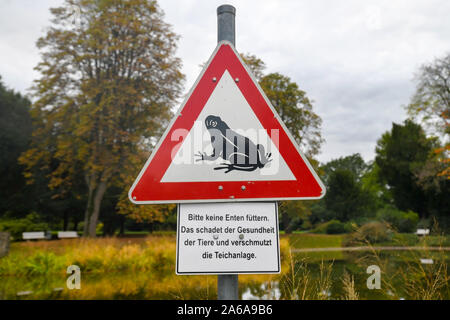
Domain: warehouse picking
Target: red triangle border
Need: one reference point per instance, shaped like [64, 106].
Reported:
[147, 189]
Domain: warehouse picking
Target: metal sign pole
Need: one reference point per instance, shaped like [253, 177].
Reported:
[227, 285]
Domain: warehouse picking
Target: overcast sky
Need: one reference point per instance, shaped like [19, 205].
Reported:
[355, 59]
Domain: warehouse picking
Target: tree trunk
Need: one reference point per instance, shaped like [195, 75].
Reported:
[89, 209]
[100, 192]
[97, 188]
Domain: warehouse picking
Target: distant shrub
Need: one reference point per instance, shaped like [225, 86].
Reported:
[333, 227]
[321, 228]
[337, 227]
[372, 232]
[402, 221]
[405, 239]
[17, 226]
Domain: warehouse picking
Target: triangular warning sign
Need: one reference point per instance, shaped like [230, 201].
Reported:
[226, 143]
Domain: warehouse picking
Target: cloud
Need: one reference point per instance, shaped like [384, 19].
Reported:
[355, 59]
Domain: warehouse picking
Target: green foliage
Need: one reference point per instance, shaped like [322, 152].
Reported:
[16, 226]
[345, 198]
[353, 163]
[256, 65]
[296, 111]
[321, 227]
[334, 227]
[291, 103]
[371, 232]
[42, 263]
[404, 239]
[402, 221]
[337, 227]
[109, 79]
[372, 184]
[400, 156]
[35, 263]
[292, 214]
[15, 133]
[353, 190]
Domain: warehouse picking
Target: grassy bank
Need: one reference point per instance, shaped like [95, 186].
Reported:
[144, 268]
[312, 240]
[113, 267]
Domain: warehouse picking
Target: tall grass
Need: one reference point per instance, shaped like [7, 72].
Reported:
[114, 268]
[348, 283]
[298, 283]
[93, 256]
[414, 279]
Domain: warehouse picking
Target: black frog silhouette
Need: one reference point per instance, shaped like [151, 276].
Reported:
[240, 152]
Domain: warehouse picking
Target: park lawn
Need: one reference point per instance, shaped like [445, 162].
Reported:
[411, 239]
[310, 240]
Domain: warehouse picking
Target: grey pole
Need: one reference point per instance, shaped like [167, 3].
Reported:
[227, 285]
[225, 23]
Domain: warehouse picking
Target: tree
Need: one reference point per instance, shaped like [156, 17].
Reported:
[255, 64]
[19, 199]
[345, 198]
[350, 193]
[371, 183]
[142, 213]
[353, 163]
[430, 104]
[15, 133]
[293, 214]
[292, 104]
[400, 154]
[296, 111]
[108, 80]
[431, 101]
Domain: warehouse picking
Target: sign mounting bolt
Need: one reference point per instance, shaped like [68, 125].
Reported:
[215, 237]
[134, 198]
[220, 188]
[214, 79]
[241, 236]
[243, 188]
[237, 79]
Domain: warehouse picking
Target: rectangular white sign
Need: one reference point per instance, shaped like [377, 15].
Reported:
[228, 238]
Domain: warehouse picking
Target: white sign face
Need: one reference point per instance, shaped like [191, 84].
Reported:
[184, 168]
[228, 238]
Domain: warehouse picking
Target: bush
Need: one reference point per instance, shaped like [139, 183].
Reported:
[17, 226]
[333, 227]
[336, 227]
[400, 220]
[372, 232]
[321, 228]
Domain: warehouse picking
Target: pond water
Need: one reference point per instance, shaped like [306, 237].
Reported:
[309, 276]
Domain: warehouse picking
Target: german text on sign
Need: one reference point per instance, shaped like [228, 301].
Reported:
[228, 238]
